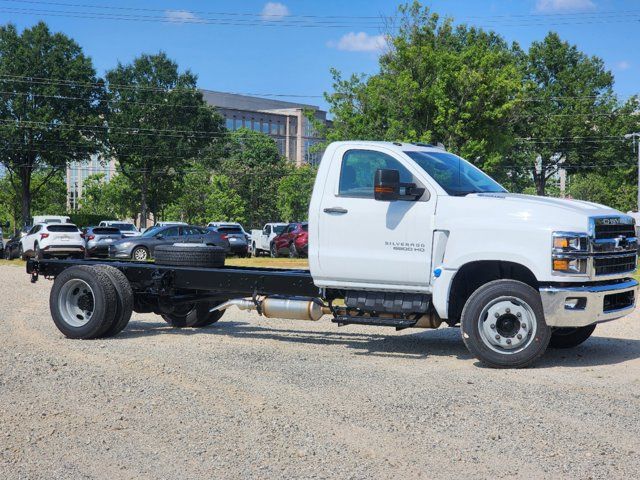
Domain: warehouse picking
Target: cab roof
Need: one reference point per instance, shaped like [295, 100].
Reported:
[395, 146]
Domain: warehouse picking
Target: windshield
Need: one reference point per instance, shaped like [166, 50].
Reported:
[230, 230]
[151, 232]
[124, 227]
[455, 175]
[279, 229]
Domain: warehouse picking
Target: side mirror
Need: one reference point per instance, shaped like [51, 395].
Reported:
[386, 184]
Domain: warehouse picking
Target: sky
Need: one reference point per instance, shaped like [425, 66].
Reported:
[287, 48]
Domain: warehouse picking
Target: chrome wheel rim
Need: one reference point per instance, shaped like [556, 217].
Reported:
[76, 303]
[507, 325]
[140, 254]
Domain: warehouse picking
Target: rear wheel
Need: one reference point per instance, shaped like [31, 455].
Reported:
[254, 252]
[140, 254]
[39, 253]
[193, 315]
[21, 254]
[7, 254]
[82, 302]
[570, 337]
[503, 324]
[293, 253]
[124, 304]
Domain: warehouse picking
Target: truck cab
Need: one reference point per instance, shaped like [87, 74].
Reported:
[415, 223]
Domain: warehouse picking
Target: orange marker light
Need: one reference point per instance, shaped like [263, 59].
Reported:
[561, 264]
[560, 242]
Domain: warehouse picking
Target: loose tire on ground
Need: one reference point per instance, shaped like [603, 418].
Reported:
[190, 256]
[124, 304]
[503, 324]
[82, 302]
[195, 316]
[570, 337]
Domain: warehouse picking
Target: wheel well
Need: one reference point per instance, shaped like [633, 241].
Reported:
[475, 274]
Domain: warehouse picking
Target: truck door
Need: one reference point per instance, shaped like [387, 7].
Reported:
[364, 242]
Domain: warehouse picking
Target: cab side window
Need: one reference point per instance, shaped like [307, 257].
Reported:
[358, 169]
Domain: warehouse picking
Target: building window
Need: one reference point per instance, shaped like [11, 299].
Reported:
[274, 129]
[229, 124]
[238, 123]
[265, 126]
[281, 129]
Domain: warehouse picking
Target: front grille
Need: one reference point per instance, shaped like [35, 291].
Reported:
[605, 231]
[614, 264]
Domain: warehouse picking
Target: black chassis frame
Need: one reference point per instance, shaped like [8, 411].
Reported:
[174, 285]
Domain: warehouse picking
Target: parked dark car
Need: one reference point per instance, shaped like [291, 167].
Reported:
[237, 239]
[12, 247]
[293, 241]
[141, 248]
[99, 239]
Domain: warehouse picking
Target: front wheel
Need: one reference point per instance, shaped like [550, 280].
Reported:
[293, 253]
[274, 251]
[503, 324]
[570, 337]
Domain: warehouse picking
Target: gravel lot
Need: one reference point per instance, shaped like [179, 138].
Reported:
[283, 399]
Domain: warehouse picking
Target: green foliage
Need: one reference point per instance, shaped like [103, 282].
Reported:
[86, 219]
[617, 188]
[51, 199]
[567, 106]
[205, 198]
[254, 169]
[156, 129]
[437, 83]
[294, 193]
[40, 126]
[115, 199]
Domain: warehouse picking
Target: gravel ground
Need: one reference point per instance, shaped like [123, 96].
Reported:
[283, 399]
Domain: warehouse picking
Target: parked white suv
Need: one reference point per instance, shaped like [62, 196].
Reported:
[57, 239]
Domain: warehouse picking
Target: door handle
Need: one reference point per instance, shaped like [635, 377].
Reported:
[338, 210]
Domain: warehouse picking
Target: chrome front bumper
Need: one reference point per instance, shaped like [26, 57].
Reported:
[583, 305]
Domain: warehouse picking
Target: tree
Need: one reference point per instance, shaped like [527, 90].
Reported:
[158, 121]
[567, 113]
[51, 107]
[115, 199]
[613, 189]
[209, 197]
[294, 193]
[253, 166]
[437, 83]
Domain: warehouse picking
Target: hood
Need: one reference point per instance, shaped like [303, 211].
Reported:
[503, 210]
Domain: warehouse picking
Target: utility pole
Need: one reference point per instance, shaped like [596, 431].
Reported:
[635, 136]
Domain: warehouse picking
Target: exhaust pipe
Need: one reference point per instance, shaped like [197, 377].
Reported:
[290, 308]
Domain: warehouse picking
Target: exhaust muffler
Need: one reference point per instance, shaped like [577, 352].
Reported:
[290, 308]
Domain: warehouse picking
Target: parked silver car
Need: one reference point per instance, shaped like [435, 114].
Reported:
[99, 239]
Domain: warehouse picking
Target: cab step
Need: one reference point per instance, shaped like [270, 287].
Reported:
[398, 323]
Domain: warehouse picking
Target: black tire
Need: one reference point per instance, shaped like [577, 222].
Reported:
[7, 254]
[293, 253]
[140, 254]
[194, 316]
[21, 254]
[193, 256]
[500, 293]
[124, 304]
[273, 251]
[570, 337]
[39, 254]
[254, 251]
[100, 303]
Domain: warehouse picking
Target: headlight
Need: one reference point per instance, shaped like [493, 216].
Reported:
[570, 242]
[570, 253]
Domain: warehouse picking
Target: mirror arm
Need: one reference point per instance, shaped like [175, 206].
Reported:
[412, 192]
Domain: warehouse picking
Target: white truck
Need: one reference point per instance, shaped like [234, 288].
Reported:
[401, 235]
[261, 239]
